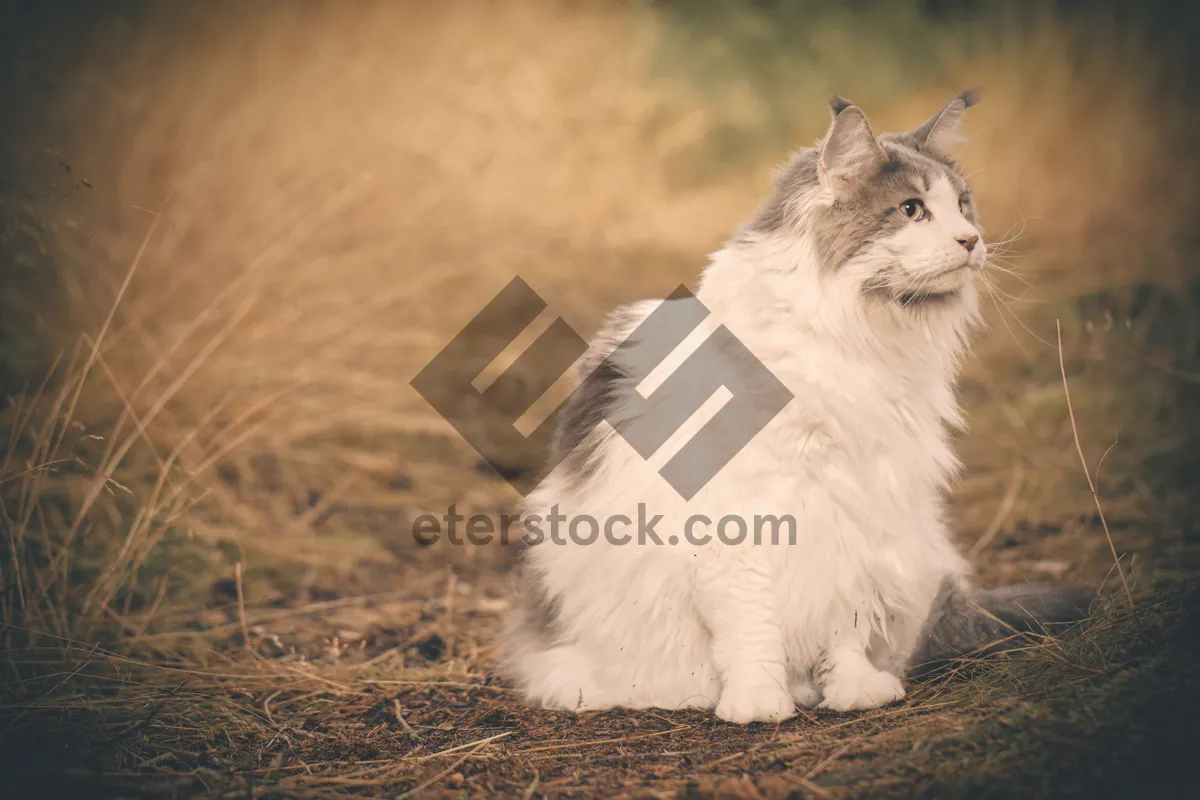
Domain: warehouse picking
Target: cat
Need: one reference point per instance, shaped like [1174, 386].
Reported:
[854, 284]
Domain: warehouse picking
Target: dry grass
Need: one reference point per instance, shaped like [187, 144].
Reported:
[276, 215]
[334, 718]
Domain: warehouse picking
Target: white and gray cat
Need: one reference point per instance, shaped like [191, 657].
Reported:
[854, 284]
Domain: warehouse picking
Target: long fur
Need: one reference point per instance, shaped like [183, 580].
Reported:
[863, 312]
[979, 622]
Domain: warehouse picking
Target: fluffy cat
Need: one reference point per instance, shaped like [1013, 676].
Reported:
[854, 284]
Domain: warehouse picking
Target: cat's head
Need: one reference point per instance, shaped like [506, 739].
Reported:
[891, 216]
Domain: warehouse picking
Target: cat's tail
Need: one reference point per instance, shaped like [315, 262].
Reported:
[972, 622]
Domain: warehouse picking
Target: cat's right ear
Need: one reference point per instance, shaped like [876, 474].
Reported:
[941, 130]
[850, 153]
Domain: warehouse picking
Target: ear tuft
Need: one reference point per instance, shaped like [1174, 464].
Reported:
[838, 104]
[941, 130]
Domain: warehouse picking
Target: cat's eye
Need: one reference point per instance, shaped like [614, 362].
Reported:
[913, 209]
[964, 202]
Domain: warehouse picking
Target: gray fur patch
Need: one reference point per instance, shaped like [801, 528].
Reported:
[534, 624]
[605, 383]
[841, 229]
[792, 185]
[870, 177]
[822, 668]
[575, 441]
[989, 621]
[539, 611]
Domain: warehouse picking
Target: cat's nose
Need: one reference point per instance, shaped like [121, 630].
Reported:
[969, 242]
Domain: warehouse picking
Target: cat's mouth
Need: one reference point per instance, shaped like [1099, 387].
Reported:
[931, 295]
[927, 299]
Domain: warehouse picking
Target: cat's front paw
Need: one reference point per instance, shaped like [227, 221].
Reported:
[855, 690]
[766, 702]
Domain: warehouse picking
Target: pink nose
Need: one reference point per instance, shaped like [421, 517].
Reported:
[969, 242]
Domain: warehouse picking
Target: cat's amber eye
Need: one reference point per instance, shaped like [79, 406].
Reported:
[913, 209]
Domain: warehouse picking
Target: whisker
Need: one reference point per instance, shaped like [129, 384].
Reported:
[1013, 298]
[1000, 311]
[1027, 329]
[1017, 276]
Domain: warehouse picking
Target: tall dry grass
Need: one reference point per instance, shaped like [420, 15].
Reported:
[290, 209]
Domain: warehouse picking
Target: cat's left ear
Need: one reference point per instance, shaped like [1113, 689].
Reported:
[850, 153]
[941, 130]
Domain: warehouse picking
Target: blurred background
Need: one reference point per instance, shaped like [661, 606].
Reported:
[232, 233]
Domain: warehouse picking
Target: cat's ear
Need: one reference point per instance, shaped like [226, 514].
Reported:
[838, 104]
[850, 153]
[941, 130]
